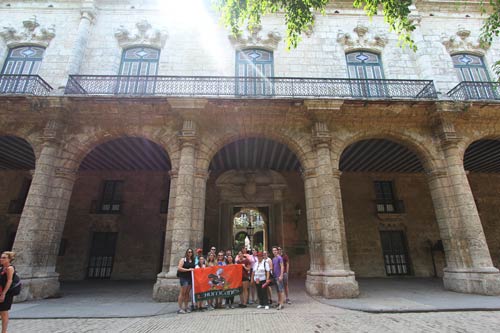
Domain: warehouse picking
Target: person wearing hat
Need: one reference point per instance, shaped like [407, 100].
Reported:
[260, 275]
[199, 253]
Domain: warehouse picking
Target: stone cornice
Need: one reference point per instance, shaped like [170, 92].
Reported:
[462, 42]
[362, 39]
[143, 34]
[31, 34]
[254, 38]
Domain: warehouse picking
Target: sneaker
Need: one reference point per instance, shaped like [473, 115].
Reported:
[280, 307]
[288, 301]
[231, 306]
[181, 311]
[188, 310]
[250, 302]
[259, 306]
[266, 307]
[242, 306]
[210, 308]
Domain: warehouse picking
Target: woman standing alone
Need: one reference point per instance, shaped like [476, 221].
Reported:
[6, 275]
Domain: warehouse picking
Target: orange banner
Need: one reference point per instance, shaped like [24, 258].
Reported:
[217, 281]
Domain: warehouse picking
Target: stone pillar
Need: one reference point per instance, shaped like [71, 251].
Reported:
[331, 277]
[469, 268]
[42, 222]
[179, 229]
[199, 198]
[82, 36]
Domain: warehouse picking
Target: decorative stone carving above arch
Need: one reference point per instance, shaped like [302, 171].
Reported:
[142, 34]
[362, 38]
[256, 38]
[31, 33]
[251, 186]
[462, 41]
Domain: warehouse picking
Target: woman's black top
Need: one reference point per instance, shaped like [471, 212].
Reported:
[186, 265]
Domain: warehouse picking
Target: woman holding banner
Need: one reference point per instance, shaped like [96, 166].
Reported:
[247, 267]
[184, 268]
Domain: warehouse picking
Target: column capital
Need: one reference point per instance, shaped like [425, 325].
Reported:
[188, 135]
[336, 173]
[202, 173]
[308, 174]
[321, 135]
[173, 173]
[444, 129]
[437, 173]
[88, 10]
[66, 173]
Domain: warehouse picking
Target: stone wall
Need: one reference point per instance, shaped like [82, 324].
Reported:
[140, 226]
[363, 224]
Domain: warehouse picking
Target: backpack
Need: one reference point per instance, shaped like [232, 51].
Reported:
[16, 286]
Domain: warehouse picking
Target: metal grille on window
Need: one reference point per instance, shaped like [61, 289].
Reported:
[366, 65]
[138, 70]
[102, 253]
[395, 253]
[111, 201]
[471, 68]
[385, 200]
[254, 69]
[24, 60]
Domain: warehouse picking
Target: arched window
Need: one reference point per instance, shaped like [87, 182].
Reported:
[140, 61]
[470, 68]
[137, 63]
[23, 60]
[255, 66]
[364, 65]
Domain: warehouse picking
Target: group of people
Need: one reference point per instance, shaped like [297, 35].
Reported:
[259, 272]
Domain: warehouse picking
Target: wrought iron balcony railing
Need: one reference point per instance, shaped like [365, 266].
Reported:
[24, 85]
[248, 87]
[469, 90]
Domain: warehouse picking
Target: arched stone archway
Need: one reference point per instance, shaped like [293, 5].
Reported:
[118, 210]
[388, 211]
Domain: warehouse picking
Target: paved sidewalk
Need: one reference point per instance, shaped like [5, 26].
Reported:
[129, 299]
[412, 295]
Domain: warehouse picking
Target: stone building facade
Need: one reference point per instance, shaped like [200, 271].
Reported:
[132, 130]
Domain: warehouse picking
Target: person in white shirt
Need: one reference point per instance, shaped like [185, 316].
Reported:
[260, 275]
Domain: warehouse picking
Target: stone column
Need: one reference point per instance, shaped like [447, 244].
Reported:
[199, 199]
[82, 36]
[469, 268]
[42, 222]
[179, 229]
[332, 277]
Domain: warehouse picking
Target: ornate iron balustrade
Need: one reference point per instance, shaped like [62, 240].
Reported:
[248, 87]
[469, 90]
[24, 85]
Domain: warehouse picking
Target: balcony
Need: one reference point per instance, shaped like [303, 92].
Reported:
[469, 90]
[241, 87]
[24, 85]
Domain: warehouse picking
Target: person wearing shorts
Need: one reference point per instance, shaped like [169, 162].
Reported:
[184, 268]
[286, 265]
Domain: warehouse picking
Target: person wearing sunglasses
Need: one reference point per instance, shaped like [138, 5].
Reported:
[184, 268]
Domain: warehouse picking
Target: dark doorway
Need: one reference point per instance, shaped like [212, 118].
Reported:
[395, 253]
[102, 254]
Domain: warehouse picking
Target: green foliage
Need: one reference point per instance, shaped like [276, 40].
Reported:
[491, 27]
[299, 15]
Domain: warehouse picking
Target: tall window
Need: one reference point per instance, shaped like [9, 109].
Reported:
[111, 201]
[385, 199]
[138, 61]
[23, 60]
[365, 65]
[254, 67]
[470, 68]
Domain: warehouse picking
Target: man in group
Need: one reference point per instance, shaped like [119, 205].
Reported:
[286, 265]
[278, 270]
[212, 250]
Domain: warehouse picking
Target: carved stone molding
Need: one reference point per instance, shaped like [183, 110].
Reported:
[444, 129]
[31, 33]
[255, 38]
[143, 34]
[188, 134]
[362, 39]
[462, 41]
[66, 173]
[321, 135]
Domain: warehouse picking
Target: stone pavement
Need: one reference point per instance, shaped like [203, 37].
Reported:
[306, 314]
